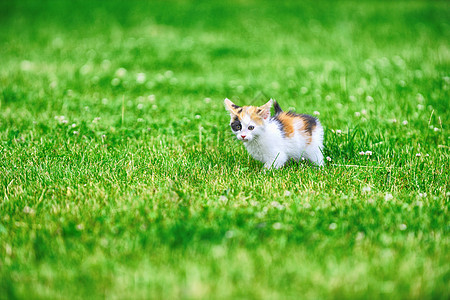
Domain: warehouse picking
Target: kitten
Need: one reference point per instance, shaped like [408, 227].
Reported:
[277, 139]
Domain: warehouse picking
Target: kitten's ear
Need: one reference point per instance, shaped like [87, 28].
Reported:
[264, 111]
[230, 106]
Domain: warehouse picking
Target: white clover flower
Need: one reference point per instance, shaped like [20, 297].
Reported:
[338, 131]
[115, 81]
[422, 195]
[168, 73]
[61, 119]
[26, 65]
[85, 69]
[402, 227]
[357, 114]
[76, 133]
[405, 122]
[368, 152]
[277, 226]
[366, 189]
[151, 98]
[207, 100]
[140, 106]
[28, 210]
[393, 120]
[121, 72]
[420, 97]
[80, 227]
[254, 203]
[364, 112]
[332, 226]
[197, 117]
[223, 199]
[420, 107]
[106, 64]
[74, 125]
[418, 155]
[328, 158]
[140, 78]
[362, 153]
[359, 236]
[96, 119]
[369, 99]
[436, 129]
[316, 113]
[287, 193]
[388, 197]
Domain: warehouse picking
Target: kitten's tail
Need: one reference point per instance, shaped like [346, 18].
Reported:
[277, 108]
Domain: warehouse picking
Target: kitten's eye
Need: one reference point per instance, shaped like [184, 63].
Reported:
[236, 125]
[251, 127]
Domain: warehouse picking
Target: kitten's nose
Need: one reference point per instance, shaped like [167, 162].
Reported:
[243, 136]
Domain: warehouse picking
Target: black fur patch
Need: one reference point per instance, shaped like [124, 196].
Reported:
[235, 106]
[236, 125]
[277, 108]
[310, 123]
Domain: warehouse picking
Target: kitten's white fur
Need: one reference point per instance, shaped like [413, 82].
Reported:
[266, 143]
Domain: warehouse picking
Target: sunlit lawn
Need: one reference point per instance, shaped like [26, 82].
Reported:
[120, 177]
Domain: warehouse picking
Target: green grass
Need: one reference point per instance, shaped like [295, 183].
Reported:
[148, 195]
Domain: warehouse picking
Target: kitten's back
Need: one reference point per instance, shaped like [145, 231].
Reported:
[290, 122]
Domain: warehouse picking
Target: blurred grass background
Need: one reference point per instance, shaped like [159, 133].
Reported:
[120, 177]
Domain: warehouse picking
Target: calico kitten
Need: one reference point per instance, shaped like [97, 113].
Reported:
[274, 140]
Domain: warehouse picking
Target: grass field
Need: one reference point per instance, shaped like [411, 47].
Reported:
[120, 177]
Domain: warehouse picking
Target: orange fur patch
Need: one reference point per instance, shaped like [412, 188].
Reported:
[307, 127]
[251, 111]
[288, 123]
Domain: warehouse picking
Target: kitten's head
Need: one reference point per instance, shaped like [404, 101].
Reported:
[247, 122]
